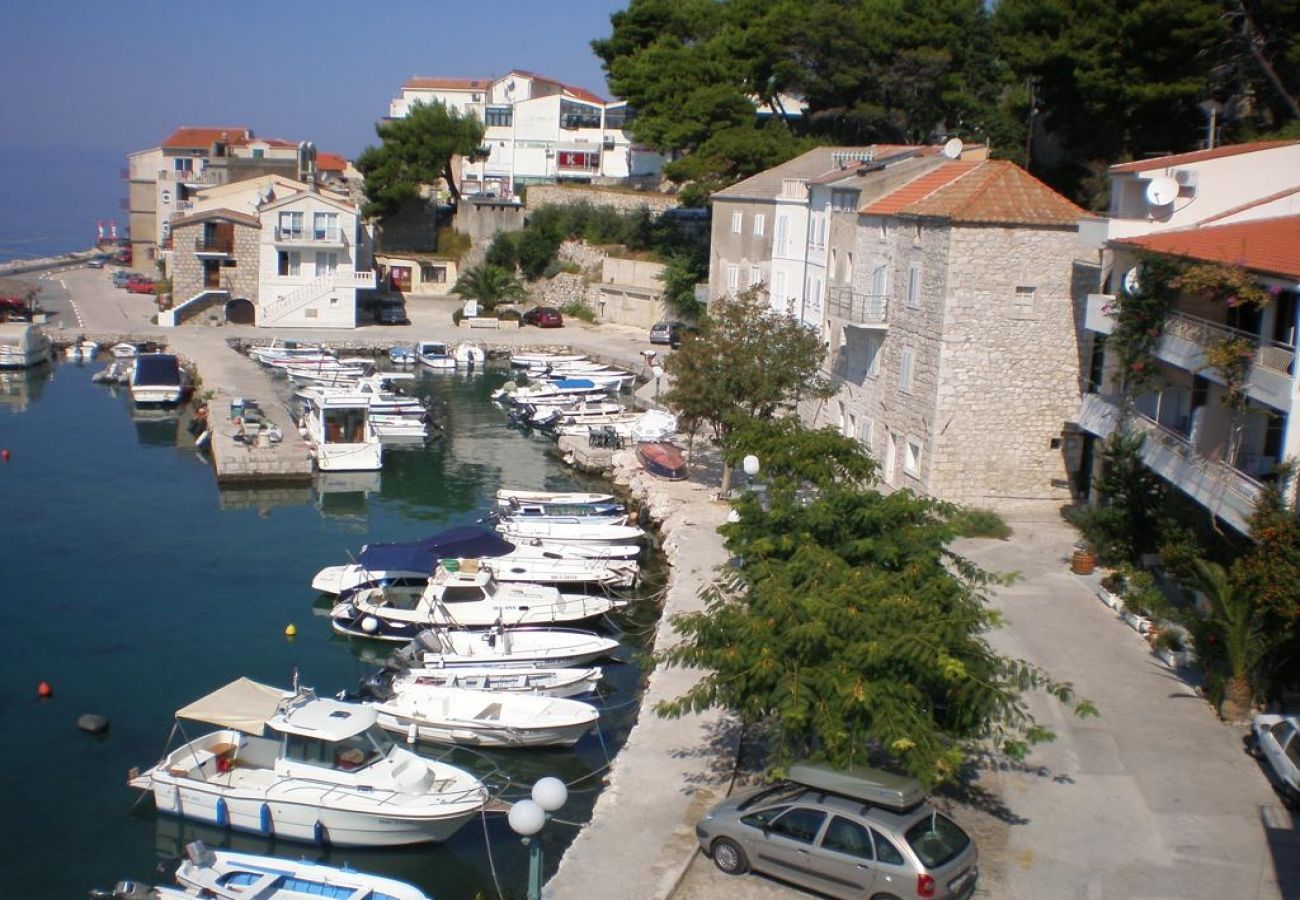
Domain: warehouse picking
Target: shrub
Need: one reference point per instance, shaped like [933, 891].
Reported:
[578, 310]
[452, 243]
[457, 315]
[509, 315]
[972, 521]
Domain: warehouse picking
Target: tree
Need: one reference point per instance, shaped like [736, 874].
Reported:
[847, 626]
[489, 285]
[1232, 616]
[1269, 572]
[746, 363]
[416, 151]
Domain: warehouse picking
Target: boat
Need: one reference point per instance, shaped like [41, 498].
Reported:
[662, 459]
[280, 349]
[117, 372]
[289, 764]
[452, 648]
[124, 351]
[466, 597]
[505, 496]
[434, 355]
[522, 509]
[571, 682]
[402, 356]
[653, 425]
[542, 360]
[610, 382]
[547, 392]
[338, 430]
[22, 345]
[82, 351]
[397, 429]
[470, 355]
[226, 875]
[157, 379]
[570, 532]
[332, 373]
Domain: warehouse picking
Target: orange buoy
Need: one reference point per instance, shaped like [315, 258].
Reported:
[4, 454]
[44, 691]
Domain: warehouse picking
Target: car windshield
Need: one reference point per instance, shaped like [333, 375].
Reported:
[937, 840]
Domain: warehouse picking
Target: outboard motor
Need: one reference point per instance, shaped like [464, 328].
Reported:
[123, 890]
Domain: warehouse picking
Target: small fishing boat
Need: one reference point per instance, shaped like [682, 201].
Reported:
[226, 875]
[434, 355]
[157, 379]
[662, 459]
[280, 350]
[117, 372]
[451, 648]
[289, 764]
[456, 715]
[337, 429]
[572, 682]
[547, 392]
[402, 356]
[470, 356]
[505, 496]
[124, 351]
[468, 597]
[541, 509]
[82, 351]
[569, 532]
[333, 373]
[542, 360]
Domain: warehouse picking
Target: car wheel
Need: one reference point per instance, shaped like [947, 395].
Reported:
[883, 897]
[1252, 746]
[728, 857]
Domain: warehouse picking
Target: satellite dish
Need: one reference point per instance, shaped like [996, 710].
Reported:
[1132, 281]
[952, 149]
[1162, 191]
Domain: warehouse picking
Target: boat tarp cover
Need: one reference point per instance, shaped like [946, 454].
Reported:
[244, 705]
[423, 555]
[21, 335]
[161, 369]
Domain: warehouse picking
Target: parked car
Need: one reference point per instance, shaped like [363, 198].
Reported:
[96, 262]
[1275, 741]
[543, 317]
[392, 314]
[670, 332]
[140, 286]
[121, 277]
[856, 832]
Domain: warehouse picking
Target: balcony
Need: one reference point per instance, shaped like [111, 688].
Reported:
[322, 237]
[214, 246]
[863, 310]
[189, 176]
[1223, 489]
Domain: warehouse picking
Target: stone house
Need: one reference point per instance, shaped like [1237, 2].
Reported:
[214, 263]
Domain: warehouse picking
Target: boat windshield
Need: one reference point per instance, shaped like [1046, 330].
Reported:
[349, 754]
[345, 425]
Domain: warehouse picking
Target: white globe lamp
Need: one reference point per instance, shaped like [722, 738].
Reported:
[526, 818]
[750, 465]
[550, 794]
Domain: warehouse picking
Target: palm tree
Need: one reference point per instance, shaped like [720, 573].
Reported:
[489, 285]
[1232, 611]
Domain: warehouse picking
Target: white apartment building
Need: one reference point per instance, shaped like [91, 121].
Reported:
[538, 131]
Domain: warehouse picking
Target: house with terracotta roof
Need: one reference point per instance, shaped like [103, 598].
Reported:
[538, 131]
[1239, 206]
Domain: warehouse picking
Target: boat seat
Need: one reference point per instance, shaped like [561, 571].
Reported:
[490, 712]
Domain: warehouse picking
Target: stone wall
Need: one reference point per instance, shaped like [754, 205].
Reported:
[481, 220]
[539, 195]
[565, 288]
[186, 268]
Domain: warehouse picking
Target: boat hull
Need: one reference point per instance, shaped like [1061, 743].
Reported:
[662, 459]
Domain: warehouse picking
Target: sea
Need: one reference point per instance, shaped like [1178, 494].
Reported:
[132, 584]
[54, 197]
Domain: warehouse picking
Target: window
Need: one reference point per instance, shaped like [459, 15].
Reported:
[884, 231]
[886, 852]
[578, 115]
[619, 117]
[835, 263]
[844, 201]
[848, 268]
[327, 263]
[760, 222]
[1022, 303]
[433, 274]
[737, 222]
[914, 286]
[288, 263]
[799, 824]
[733, 278]
[912, 457]
[755, 276]
[905, 371]
[848, 837]
[499, 115]
[782, 240]
[880, 280]
[916, 236]
[258, 153]
[867, 433]
[325, 226]
[290, 224]
[778, 286]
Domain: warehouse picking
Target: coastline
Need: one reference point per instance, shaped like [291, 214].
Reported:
[36, 264]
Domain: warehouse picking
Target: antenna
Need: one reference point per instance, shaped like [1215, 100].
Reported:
[952, 149]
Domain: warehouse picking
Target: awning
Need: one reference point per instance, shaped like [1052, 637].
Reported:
[423, 555]
[244, 705]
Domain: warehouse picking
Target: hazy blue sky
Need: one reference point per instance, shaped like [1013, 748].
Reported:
[121, 75]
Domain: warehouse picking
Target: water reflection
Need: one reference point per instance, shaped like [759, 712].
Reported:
[19, 387]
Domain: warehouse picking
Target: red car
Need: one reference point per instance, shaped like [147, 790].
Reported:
[544, 317]
[140, 286]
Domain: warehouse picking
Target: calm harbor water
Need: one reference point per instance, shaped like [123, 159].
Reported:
[133, 586]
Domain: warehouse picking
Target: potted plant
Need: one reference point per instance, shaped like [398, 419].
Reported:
[1172, 648]
[1084, 561]
[1111, 590]
[1142, 599]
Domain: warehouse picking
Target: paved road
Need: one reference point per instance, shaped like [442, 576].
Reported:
[1154, 799]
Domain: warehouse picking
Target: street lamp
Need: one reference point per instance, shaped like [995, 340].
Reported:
[526, 818]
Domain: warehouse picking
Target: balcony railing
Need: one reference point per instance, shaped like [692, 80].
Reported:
[1269, 354]
[860, 309]
[214, 245]
[189, 176]
[310, 236]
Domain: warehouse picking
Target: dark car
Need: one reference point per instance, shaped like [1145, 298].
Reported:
[543, 317]
[670, 332]
[392, 314]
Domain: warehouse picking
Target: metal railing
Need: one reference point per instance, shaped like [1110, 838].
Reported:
[214, 245]
[864, 309]
[1276, 356]
[310, 235]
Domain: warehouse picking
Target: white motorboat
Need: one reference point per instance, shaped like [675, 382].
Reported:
[467, 598]
[542, 360]
[610, 381]
[434, 355]
[399, 429]
[124, 351]
[402, 356]
[570, 532]
[450, 648]
[548, 392]
[225, 875]
[573, 682]
[455, 715]
[296, 766]
[334, 374]
[338, 430]
[506, 495]
[22, 345]
[595, 510]
[612, 574]
[82, 351]
[470, 356]
[157, 379]
[279, 350]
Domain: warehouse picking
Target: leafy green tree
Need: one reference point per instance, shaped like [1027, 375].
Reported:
[1269, 571]
[847, 626]
[1126, 523]
[489, 285]
[416, 151]
[746, 363]
[1233, 616]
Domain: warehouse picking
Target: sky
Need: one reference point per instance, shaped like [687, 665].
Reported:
[121, 76]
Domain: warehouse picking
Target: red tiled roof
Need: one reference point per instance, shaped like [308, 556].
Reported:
[331, 162]
[202, 136]
[447, 84]
[1267, 246]
[1262, 201]
[917, 189]
[996, 192]
[1182, 159]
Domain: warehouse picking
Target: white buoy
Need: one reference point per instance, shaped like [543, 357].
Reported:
[369, 624]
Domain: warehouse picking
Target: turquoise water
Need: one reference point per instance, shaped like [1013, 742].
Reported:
[133, 585]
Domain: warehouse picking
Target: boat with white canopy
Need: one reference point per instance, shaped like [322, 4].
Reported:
[22, 345]
[292, 765]
[338, 431]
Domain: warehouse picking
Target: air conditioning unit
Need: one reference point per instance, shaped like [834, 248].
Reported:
[1187, 179]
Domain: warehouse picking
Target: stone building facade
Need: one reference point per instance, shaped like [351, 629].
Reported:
[215, 252]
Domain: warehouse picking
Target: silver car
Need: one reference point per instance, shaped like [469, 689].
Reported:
[859, 833]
